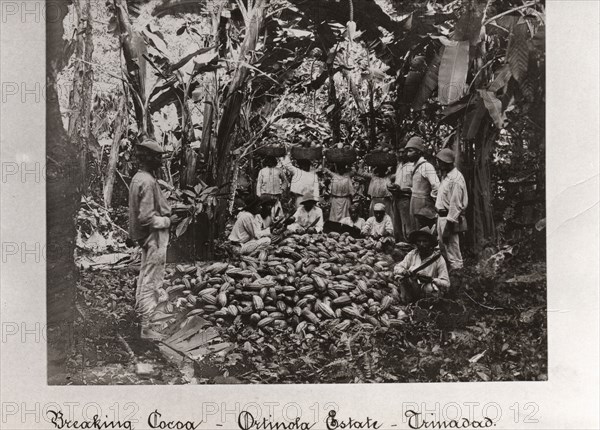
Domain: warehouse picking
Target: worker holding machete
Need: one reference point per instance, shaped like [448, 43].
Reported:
[308, 217]
[422, 272]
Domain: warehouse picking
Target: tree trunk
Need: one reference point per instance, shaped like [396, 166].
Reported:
[354, 91]
[482, 231]
[231, 110]
[134, 48]
[80, 100]
[372, 116]
[121, 123]
[207, 124]
[235, 96]
[63, 191]
[335, 115]
[188, 156]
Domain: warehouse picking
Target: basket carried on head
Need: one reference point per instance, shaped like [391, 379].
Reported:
[311, 153]
[341, 155]
[271, 151]
[381, 159]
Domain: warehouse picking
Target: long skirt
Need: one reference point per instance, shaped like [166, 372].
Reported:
[340, 208]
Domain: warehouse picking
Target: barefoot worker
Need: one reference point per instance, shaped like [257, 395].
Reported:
[149, 222]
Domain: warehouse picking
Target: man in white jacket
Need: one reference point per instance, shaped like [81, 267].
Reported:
[451, 204]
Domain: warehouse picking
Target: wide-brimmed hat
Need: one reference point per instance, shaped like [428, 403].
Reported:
[446, 155]
[308, 197]
[251, 201]
[379, 207]
[425, 232]
[417, 143]
[151, 144]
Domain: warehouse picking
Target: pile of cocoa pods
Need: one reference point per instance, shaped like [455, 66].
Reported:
[303, 283]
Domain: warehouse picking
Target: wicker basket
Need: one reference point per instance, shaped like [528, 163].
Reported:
[342, 156]
[311, 153]
[380, 159]
[271, 151]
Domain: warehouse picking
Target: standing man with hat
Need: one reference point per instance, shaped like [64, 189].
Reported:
[308, 218]
[401, 192]
[247, 236]
[451, 204]
[149, 222]
[425, 183]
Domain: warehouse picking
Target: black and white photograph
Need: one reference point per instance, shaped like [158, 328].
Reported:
[292, 191]
[299, 214]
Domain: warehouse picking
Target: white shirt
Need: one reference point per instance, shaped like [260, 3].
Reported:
[302, 182]
[246, 228]
[270, 181]
[452, 195]
[404, 173]
[359, 224]
[372, 227]
[304, 219]
[437, 270]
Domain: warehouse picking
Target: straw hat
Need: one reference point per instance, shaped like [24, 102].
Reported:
[425, 232]
[308, 197]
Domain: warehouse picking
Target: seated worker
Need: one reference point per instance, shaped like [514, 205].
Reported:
[380, 225]
[423, 271]
[308, 217]
[354, 220]
[264, 217]
[247, 236]
[351, 224]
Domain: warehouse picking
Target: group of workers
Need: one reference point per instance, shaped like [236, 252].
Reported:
[409, 199]
[411, 204]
